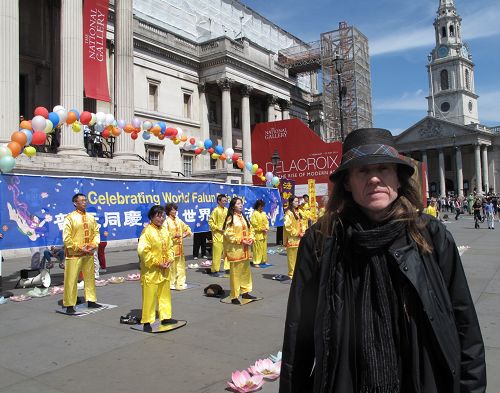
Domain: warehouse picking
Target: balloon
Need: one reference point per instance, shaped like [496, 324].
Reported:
[121, 123]
[179, 132]
[5, 151]
[235, 157]
[109, 119]
[192, 141]
[177, 141]
[222, 157]
[170, 131]
[211, 150]
[263, 178]
[240, 164]
[134, 135]
[63, 115]
[201, 145]
[161, 137]
[146, 135]
[85, 117]
[15, 148]
[7, 163]
[269, 176]
[198, 151]
[93, 120]
[99, 127]
[269, 184]
[129, 128]
[229, 160]
[254, 168]
[156, 130]
[147, 125]
[215, 156]
[30, 151]
[41, 111]
[101, 117]
[259, 172]
[76, 127]
[71, 118]
[77, 114]
[38, 138]
[275, 181]
[19, 137]
[106, 134]
[49, 127]
[136, 122]
[38, 123]
[208, 143]
[58, 108]
[54, 118]
[229, 152]
[28, 134]
[249, 165]
[163, 126]
[219, 149]
[26, 125]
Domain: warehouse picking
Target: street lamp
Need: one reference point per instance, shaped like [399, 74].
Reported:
[339, 66]
[275, 159]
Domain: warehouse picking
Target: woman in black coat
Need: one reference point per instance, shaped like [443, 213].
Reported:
[379, 302]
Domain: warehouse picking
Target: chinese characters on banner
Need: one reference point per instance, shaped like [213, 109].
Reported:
[287, 189]
[312, 199]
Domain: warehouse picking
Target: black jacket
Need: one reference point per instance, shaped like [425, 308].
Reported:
[439, 282]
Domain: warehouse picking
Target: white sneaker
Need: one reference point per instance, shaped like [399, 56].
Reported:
[80, 285]
[172, 286]
[195, 258]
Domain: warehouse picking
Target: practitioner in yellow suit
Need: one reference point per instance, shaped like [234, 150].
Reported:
[260, 226]
[216, 224]
[81, 238]
[156, 253]
[177, 230]
[294, 228]
[305, 211]
[238, 238]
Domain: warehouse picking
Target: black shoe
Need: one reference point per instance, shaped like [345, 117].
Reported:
[169, 321]
[235, 301]
[147, 328]
[248, 296]
[70, 310]
[93, 305]
[228, 271]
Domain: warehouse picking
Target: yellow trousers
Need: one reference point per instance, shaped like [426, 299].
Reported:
[72, 269]
[178, 272]
[291, 253]
[260, 251]
[153, 294]
[217, 252]
[240, 278]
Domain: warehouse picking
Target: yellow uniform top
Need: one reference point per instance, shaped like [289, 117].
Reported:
[431, 211]
[155, 247]
[294, 227]
[260, 224]
[237, 230]
[80, 229]
[177, 227]
[216, 222]
[321, 212]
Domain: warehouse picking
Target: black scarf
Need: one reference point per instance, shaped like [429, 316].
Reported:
[380, 358]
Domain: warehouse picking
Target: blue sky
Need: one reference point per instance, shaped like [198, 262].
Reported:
[401, 35]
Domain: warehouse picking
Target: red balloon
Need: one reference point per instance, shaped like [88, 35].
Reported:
[38, 138]
[105, 134]
[41, 111]
[235, 157]
[170, 131]
[134, 135]
[192, 141]
[198, 151]
[85, 117]
[259, 172]
[211, 150]
[161, 137]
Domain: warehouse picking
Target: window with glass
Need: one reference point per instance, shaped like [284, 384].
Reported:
[187, 165]
[187, 105]
[154, 157]
[445, 84]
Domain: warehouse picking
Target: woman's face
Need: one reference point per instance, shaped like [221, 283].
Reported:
[173, 213]
[238, 206]
[295, 203]
[374, 187]
[158, 220]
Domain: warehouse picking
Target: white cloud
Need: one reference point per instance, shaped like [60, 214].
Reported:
[489, 107]
[406, 102]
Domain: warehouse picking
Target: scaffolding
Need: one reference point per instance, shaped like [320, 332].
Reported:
[349, 44]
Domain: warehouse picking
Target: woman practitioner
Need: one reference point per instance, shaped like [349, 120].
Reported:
[260, 226]
[294, 230]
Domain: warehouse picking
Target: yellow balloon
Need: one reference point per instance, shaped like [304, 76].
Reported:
[263, 178]
[254, 168]
[177, 141]
[76, 127]
[49, 127]
[30, 151]
[215, 156]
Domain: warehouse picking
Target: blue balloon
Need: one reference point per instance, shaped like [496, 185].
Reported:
[146, 135]
[28, 134]
[76, 113]
[54, 118]
[99, 127]
[249, 166]
[219, 149]
[163, 126]
[208, 143]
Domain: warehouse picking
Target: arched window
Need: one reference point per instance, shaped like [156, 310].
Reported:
[443, 31]
[467, 79]
[445, 84]
[452, 31]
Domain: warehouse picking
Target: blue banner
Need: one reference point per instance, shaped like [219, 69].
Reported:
[32, 208]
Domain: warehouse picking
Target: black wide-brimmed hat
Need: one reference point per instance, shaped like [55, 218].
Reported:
[367, 146]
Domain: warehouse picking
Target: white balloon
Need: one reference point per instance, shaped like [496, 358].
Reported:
[58, 108]
[179, 132]
[109, 119]
[93, 120]
[147, 125]
[63, 115]
[229, 152]
[101, 117]
[38, 123]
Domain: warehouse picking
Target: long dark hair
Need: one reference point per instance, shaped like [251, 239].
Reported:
[230, 213]
[295, 212]
[258, 203]
[405, 208]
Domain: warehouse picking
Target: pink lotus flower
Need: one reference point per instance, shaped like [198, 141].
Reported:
[266, 368]
[242, 382]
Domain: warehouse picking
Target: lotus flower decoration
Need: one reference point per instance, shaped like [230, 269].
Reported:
[266, 368]
[276, 358]
[133, 277]
[242, 382]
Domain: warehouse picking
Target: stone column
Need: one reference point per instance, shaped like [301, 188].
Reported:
[442, 182]
[71, 73]
[477, 162]
[124, 60]
[9, 70]
[227, 127]
[245, 129]
[285, 107]
[492, 176]
[460, 174]
[203, 159]
[485, 170]
[271, 102]
[424, 160]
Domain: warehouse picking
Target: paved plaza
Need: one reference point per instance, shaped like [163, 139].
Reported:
[42, 351]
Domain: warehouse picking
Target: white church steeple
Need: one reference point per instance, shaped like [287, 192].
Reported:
[451, 71]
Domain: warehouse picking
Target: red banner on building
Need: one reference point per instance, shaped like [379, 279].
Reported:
[95, 73]
[303, 154]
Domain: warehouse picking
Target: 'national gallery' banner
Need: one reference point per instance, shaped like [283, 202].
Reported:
[95, 73]
[32, 208]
